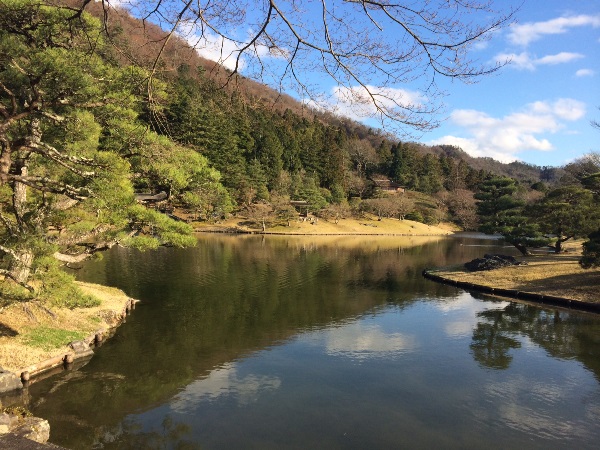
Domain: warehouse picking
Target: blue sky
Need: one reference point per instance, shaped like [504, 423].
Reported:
[536, 109]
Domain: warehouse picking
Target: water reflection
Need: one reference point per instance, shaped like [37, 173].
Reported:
[224, 381]
[491, 341]
[563, 334]
[134, 435]
[548, 412]
[366, 341]
[251, 342]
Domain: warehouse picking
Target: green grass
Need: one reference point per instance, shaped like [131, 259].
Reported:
[95, 320]
[48, 338]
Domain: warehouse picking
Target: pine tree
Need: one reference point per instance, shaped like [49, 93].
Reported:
[567, 212]
[71, 144]
[500, 212]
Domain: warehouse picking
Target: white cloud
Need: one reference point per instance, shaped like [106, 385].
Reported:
[523, 34]
[356, 103]
[116, 3]
[224, 381]
[559, 58]
[211, 46]
[225, 51]
[585, 73]
[504, 138]
[525, 61]
[360, 341]
[569, 109]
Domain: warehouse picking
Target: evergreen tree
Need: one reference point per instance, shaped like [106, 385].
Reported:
[404, 169]
[268, 151]
[71, 144]
[309, 191]
[566, 212]
[591, 251]
[500, 212]
[257, 181]
[333, 160]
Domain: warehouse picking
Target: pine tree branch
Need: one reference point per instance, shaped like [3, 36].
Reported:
[45, 184]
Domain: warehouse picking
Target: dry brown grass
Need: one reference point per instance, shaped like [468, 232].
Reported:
[549, 274]
[17, 320]
[366, 226]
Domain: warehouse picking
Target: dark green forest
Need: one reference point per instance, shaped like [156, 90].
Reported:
[90, 119]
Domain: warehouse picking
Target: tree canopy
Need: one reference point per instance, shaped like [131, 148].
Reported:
[73, 149]
[502, 213]
[566, 212]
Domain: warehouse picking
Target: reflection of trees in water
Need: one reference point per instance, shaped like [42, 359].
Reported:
[132, 436]
[492, 342]
[563, 334]
[225, 299]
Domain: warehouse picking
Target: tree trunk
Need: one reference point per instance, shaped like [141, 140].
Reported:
[523, 249]
[5, 159]
[20, 195]
[73, 259]
[20, 266]
[558, 246]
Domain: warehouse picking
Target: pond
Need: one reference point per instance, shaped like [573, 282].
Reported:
[272, 342]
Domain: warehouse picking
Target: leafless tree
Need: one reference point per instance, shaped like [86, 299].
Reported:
[369, 48]
[461, 205]
[362, 154]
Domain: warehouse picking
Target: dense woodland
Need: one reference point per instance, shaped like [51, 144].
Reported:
[85, 124]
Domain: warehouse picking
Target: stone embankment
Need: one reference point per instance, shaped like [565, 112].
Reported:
[20, 431]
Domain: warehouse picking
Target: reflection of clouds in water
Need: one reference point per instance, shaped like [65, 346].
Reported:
[224, 381]
[541, 408]
[360, 341]
[463, 310]
[466, 302]
[459, 329]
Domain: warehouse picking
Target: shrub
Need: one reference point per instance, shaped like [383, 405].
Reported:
[415, 216]
[591, 251]
[58, 289]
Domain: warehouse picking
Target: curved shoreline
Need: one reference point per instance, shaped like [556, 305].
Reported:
[515, 294]
[76, 350]
[34, 364]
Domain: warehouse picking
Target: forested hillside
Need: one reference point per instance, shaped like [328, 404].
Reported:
[271, 148]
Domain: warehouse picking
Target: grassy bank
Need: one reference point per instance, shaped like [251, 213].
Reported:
[367, 226]
[31, 333]
[547, 274]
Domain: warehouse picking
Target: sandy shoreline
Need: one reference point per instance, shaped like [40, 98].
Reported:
[353, 227]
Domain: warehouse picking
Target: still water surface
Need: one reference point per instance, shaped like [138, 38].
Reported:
[324, 343]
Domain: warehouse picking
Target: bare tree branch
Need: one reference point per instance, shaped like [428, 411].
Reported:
[369, 48]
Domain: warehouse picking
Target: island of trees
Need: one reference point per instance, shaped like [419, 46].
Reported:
[86, 134]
